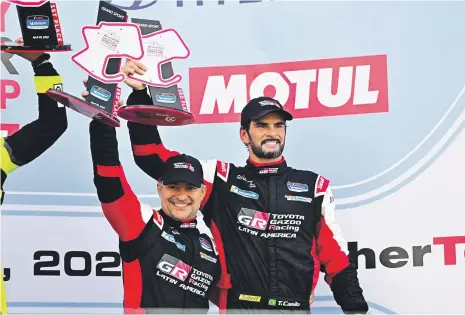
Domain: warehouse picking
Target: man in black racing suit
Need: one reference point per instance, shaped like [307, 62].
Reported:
[274, 225]
[168, 265]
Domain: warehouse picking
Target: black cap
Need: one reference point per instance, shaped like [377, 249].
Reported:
[261, 106]
[183, 168]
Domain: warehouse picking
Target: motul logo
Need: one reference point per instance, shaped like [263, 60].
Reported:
[174, 267]
[316, 88]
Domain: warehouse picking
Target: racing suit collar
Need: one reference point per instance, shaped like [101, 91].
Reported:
[185, 224]
[264, 169]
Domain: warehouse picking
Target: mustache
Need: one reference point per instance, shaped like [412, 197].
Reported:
[271, 140]
[183, 202]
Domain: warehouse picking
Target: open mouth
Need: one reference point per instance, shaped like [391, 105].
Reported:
[271, 143]
[180, 205]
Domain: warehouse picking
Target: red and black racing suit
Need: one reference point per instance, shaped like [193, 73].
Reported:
[166, 263]
[275, 227]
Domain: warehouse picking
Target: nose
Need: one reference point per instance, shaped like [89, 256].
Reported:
[273, 132]
[182, 196]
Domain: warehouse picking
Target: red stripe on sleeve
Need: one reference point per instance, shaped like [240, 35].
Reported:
[109, 171]
[132, 282]
[329, 252]
[316, 264]
[150, 149]
[124, 214]
[225, 278]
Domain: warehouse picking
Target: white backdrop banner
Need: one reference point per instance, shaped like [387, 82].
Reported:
[377, 89]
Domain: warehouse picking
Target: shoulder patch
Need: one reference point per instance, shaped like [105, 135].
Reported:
[222, 170]
[321, 185]
[158, 219]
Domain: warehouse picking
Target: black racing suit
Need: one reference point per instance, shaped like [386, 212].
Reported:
[33, 139]
[275, 228]
[167, 264]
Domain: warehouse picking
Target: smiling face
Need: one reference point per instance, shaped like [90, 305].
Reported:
[180, 201]
[265, 138]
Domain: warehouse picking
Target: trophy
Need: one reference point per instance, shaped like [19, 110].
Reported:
[40, 28]
[169, 105]
[102, 102]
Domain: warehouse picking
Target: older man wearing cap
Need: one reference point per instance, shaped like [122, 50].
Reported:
[167, 262]
[274, 225]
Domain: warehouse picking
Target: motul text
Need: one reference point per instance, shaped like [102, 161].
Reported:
[316, 88]
[396, 257]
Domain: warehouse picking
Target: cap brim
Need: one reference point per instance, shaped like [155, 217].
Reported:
[285, 114]
[174, 181]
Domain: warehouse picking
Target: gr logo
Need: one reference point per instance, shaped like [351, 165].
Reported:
[253, 219]
[174, 267]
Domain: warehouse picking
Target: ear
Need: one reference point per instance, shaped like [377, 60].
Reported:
[159, 188]
[203, 191]
[244, 135]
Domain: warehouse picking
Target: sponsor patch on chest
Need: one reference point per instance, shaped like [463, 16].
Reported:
[298, 198]
[244, 193]
[208, 257]
[205, 245]
[297, 187]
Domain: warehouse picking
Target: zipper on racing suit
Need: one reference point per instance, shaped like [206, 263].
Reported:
[273, 206]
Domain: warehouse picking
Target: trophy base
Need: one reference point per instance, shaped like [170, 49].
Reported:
[155, 115]
[13, 48]
[83, 107]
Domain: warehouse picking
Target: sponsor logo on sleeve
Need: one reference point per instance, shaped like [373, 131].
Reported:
[321, 186]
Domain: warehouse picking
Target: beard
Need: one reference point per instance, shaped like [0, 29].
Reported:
[260, 153]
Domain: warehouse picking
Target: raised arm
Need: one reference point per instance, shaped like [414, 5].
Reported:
[33, 139]
[149, 152]
[120, 205]
[332, 252]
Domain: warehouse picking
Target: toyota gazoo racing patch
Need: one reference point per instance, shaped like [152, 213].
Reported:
[269, 225]
[186, 277]
[184, 165]
[269, 170]
[297, 187]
